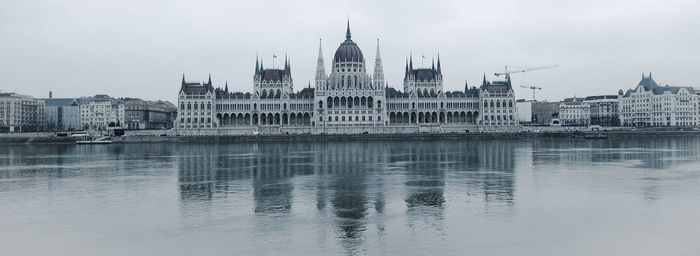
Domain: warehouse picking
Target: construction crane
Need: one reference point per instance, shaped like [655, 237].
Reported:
[533, 88]
[507, 73]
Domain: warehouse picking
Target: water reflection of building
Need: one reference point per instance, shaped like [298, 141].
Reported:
[346, 162]
[272, 169]
[496, 173]
[652, 152]
[197, 171]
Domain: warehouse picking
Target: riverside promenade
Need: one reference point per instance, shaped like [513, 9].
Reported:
[163, 137]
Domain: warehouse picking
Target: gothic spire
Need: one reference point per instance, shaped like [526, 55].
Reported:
[347, 33]
[320, 51]
[484, 81]
[405, 73]
[320, 70]
[378, 69]
[209, 82]
[288, 66]
[410, 63]
[226, 87]
[433, 64]
[439, 70]
[183, 78]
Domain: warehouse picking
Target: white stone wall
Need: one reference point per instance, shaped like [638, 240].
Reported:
[644, 108]
[498, 109]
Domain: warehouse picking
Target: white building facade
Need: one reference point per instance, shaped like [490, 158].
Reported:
[100, 112]
[604, 110]
[348, 100]
[574, 113]
[20, 113]
[649, 104]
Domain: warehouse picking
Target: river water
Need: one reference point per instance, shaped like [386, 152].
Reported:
[624, 196]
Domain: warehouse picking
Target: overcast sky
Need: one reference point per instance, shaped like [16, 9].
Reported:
[142, 48]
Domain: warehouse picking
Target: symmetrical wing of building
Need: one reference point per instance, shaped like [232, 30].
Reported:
[348, 100]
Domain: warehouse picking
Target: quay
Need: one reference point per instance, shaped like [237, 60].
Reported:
[163, 136]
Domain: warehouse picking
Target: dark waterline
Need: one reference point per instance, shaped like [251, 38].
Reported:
[626, 196]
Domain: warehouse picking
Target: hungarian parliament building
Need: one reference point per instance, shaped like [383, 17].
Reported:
[349, 100]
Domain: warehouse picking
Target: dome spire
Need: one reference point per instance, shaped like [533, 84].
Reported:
[347, 33]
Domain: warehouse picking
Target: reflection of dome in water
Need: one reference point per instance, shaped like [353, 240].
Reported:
[348, 51]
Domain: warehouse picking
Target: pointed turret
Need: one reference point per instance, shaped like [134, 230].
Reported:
[287, 69]
[226, 87]
[433, 68]
[439, 70]
[320, 70]
[410, 63]
[466, 85]
[484, 81]
[209, 81]
[257, 65]
[378, 68]
[183, 78]
[405, 74]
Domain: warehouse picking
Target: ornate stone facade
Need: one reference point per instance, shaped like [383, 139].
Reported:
[348, 100]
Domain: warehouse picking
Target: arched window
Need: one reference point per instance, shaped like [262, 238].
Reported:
[320, 104]
[349, 80]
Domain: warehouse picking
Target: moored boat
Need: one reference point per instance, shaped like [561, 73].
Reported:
[595, 136]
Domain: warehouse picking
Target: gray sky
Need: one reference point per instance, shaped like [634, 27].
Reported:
[141, 48]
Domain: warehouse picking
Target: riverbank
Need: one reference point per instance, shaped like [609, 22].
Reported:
[52, 139]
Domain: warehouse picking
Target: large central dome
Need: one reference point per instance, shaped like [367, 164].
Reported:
[348, 50]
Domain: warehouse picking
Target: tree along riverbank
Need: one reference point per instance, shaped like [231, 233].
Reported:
[45, 138]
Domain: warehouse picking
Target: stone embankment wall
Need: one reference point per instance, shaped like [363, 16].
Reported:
[395, 133]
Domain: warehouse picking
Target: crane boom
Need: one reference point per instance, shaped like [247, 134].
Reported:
[533, 88]
[507, 73]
